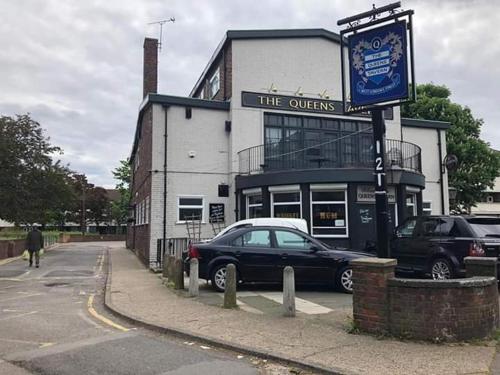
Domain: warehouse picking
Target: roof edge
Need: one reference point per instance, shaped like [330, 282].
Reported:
[263, 34]
[422, 123]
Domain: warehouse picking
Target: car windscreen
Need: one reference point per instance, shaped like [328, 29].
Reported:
[485, 227]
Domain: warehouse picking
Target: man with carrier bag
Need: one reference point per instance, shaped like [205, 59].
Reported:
[34, 242]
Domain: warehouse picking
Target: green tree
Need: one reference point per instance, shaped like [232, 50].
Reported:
[120, 208]
[97, 205]
[32, 186]
[478, 164]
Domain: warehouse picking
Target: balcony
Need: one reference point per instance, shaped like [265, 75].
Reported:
[346, 153]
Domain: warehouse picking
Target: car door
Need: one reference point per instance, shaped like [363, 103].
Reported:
[402, 242]
[258, 261]
[425, 243]
[310, 263]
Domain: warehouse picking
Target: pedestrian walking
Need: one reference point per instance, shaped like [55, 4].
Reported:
[34, 242]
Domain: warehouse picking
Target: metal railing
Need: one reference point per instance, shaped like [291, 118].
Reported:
[352, 152]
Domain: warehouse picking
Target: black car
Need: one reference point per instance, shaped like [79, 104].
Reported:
[261, 253]
[437, 245]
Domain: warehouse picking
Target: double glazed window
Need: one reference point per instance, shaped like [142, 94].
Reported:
[286, 204]
[315, 142]
[329, 213]
[254, 206]
[214, 84]
[190, 208]
[411, 204]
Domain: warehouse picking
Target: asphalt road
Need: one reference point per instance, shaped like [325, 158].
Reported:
[52, 321]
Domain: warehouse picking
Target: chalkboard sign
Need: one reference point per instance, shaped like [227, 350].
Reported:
[216, 212]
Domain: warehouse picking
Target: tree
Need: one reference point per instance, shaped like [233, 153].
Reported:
[97, 205]
[478, 164]
[120, 208]
[32, 186]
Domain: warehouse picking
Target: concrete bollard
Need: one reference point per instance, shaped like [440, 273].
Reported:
[230, 287]
[194, 289]
[288, 292]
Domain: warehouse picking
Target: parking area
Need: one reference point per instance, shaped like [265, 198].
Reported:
[267, 299]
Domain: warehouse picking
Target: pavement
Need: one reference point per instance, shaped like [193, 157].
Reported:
[317, 338]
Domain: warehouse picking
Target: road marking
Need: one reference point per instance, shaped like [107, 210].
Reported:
[19, 297]
[19, 315]
[103, 319]
[301, 305]
[9, 260]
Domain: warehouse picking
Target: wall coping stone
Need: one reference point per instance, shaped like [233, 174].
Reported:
[374, 262]
[472, 282]
[481, 260]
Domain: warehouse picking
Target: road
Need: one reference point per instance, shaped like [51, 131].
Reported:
[52, 321]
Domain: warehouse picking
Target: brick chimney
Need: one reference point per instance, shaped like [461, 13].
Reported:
[150, 77]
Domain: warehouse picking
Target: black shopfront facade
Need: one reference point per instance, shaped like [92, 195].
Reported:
[320, 168]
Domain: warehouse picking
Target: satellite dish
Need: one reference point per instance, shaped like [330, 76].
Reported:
[451, 162]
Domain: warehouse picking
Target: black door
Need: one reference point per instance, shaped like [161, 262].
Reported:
[258, 260]
[295, 250]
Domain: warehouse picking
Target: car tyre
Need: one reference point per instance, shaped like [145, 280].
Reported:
[441, 269]
[218, 277]
[344, 280]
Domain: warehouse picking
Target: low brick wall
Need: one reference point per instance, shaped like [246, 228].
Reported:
[436, 310]
[97, 237]
[11, 248]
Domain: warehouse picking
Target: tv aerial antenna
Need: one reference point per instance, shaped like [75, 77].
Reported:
[161, 23]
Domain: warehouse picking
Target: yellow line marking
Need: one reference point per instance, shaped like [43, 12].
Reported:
[8, 260]
[103, 319]
[46, 344]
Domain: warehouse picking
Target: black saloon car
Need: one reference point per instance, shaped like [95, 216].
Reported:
[437, 245]
[261, 253]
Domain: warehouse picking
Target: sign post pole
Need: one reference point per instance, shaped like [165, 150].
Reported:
[381, 206]
[380, 67]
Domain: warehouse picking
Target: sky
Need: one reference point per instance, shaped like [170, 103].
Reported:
[76, 66]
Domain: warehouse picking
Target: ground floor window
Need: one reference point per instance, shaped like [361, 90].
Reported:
[254, 206]
[427, 207]
[286, 204]
[411, 204]
[329, 213]
[189, 208]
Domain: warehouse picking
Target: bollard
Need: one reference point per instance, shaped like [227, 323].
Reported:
[194, 289]
[288, 292]
[165, 266]
[178, 274]
[230, 287]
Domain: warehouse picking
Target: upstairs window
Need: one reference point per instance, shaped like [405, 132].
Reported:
[214, 84]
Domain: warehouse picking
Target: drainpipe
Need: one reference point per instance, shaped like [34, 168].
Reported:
[165, 136]
[441, 170]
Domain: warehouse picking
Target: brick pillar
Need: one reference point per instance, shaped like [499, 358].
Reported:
[481, 266]
[150, 72]
[370, 293]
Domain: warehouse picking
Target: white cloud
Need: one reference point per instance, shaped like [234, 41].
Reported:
[77, 65]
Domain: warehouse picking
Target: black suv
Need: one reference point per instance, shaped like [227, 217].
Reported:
[437, 245]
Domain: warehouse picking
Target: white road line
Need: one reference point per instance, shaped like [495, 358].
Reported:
[301, 305]
[19, 315]
[242, 305]
[19, 297]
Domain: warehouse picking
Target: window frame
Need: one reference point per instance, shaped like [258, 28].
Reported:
[179, 206]
[299, 203]
[346, 208]
[426, 211]
[215, 78]
[253, 205]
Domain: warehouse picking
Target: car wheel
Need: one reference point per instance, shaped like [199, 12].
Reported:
[344, 280]
[441, 269]
[219, 278]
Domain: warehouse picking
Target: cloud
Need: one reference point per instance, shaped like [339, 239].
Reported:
[76, 66]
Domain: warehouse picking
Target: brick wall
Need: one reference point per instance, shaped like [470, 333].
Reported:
[446, 310]
[12, 248]
[141, 184]
[150, 67]
[223, 62]
[436, 310]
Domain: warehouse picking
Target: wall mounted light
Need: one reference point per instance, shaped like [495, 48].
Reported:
[272, 88]
[299, 92]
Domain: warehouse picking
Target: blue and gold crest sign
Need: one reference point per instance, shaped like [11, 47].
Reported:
[378, 65]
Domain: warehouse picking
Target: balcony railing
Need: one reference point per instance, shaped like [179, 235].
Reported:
[286, 155]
